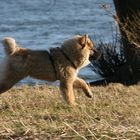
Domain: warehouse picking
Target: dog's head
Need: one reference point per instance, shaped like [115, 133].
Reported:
[87, 43]
[81, 49]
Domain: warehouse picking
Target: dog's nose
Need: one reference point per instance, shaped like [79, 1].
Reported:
[98, 55]
[95, 55]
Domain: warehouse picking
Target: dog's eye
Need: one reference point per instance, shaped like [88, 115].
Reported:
[91, 49]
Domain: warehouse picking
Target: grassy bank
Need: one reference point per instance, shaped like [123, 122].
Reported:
[39, 113]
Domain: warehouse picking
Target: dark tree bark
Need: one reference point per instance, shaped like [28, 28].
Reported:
[128, 18]
[114, 67]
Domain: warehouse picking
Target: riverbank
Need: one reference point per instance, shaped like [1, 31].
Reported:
[39, 112]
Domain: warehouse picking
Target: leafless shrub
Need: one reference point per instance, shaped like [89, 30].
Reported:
[111, 60]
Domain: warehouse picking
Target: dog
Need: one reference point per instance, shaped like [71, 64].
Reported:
[61, 63]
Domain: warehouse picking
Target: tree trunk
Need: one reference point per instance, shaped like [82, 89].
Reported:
[128, 18]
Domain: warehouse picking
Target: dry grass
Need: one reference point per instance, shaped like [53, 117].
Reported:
[39, 113]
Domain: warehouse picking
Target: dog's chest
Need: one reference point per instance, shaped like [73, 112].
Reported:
[84, 64]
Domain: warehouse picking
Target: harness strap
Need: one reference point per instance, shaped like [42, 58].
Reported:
[52, 62]
[66, 56]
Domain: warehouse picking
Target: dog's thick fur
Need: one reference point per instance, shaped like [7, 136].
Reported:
[59, 64]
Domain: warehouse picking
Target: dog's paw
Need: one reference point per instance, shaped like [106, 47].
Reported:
[89, 94]
[74, 104]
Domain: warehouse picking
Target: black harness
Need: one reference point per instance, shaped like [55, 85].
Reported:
[52, 60]
[68, 58]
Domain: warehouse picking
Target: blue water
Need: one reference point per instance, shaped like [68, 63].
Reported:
[40, 24]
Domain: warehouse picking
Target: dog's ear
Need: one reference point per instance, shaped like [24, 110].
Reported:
[84, 40]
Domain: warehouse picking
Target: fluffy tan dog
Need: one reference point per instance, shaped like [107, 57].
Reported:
[59, 64]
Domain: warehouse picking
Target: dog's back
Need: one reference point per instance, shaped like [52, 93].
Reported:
[41, 65]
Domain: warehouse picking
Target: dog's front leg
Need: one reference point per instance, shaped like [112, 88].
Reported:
[80, 83]
[66, 87]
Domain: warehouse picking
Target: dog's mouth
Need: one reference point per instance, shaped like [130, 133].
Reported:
[95, 56]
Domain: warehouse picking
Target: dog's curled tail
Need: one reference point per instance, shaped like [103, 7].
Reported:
[9, 45]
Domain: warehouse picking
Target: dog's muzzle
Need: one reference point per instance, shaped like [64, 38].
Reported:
[95, 55]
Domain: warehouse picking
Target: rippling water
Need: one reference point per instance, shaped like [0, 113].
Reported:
[40, 24]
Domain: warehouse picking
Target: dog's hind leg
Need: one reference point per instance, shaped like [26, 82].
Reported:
[9, 76]
[80, 83]
[3, 83]
[4, 88]
[8, 83]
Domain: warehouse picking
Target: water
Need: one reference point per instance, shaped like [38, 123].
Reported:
[40, 24]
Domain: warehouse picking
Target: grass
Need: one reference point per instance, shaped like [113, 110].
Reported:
[39, 113]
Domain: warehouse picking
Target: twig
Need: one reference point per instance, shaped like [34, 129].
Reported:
[75, 131]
